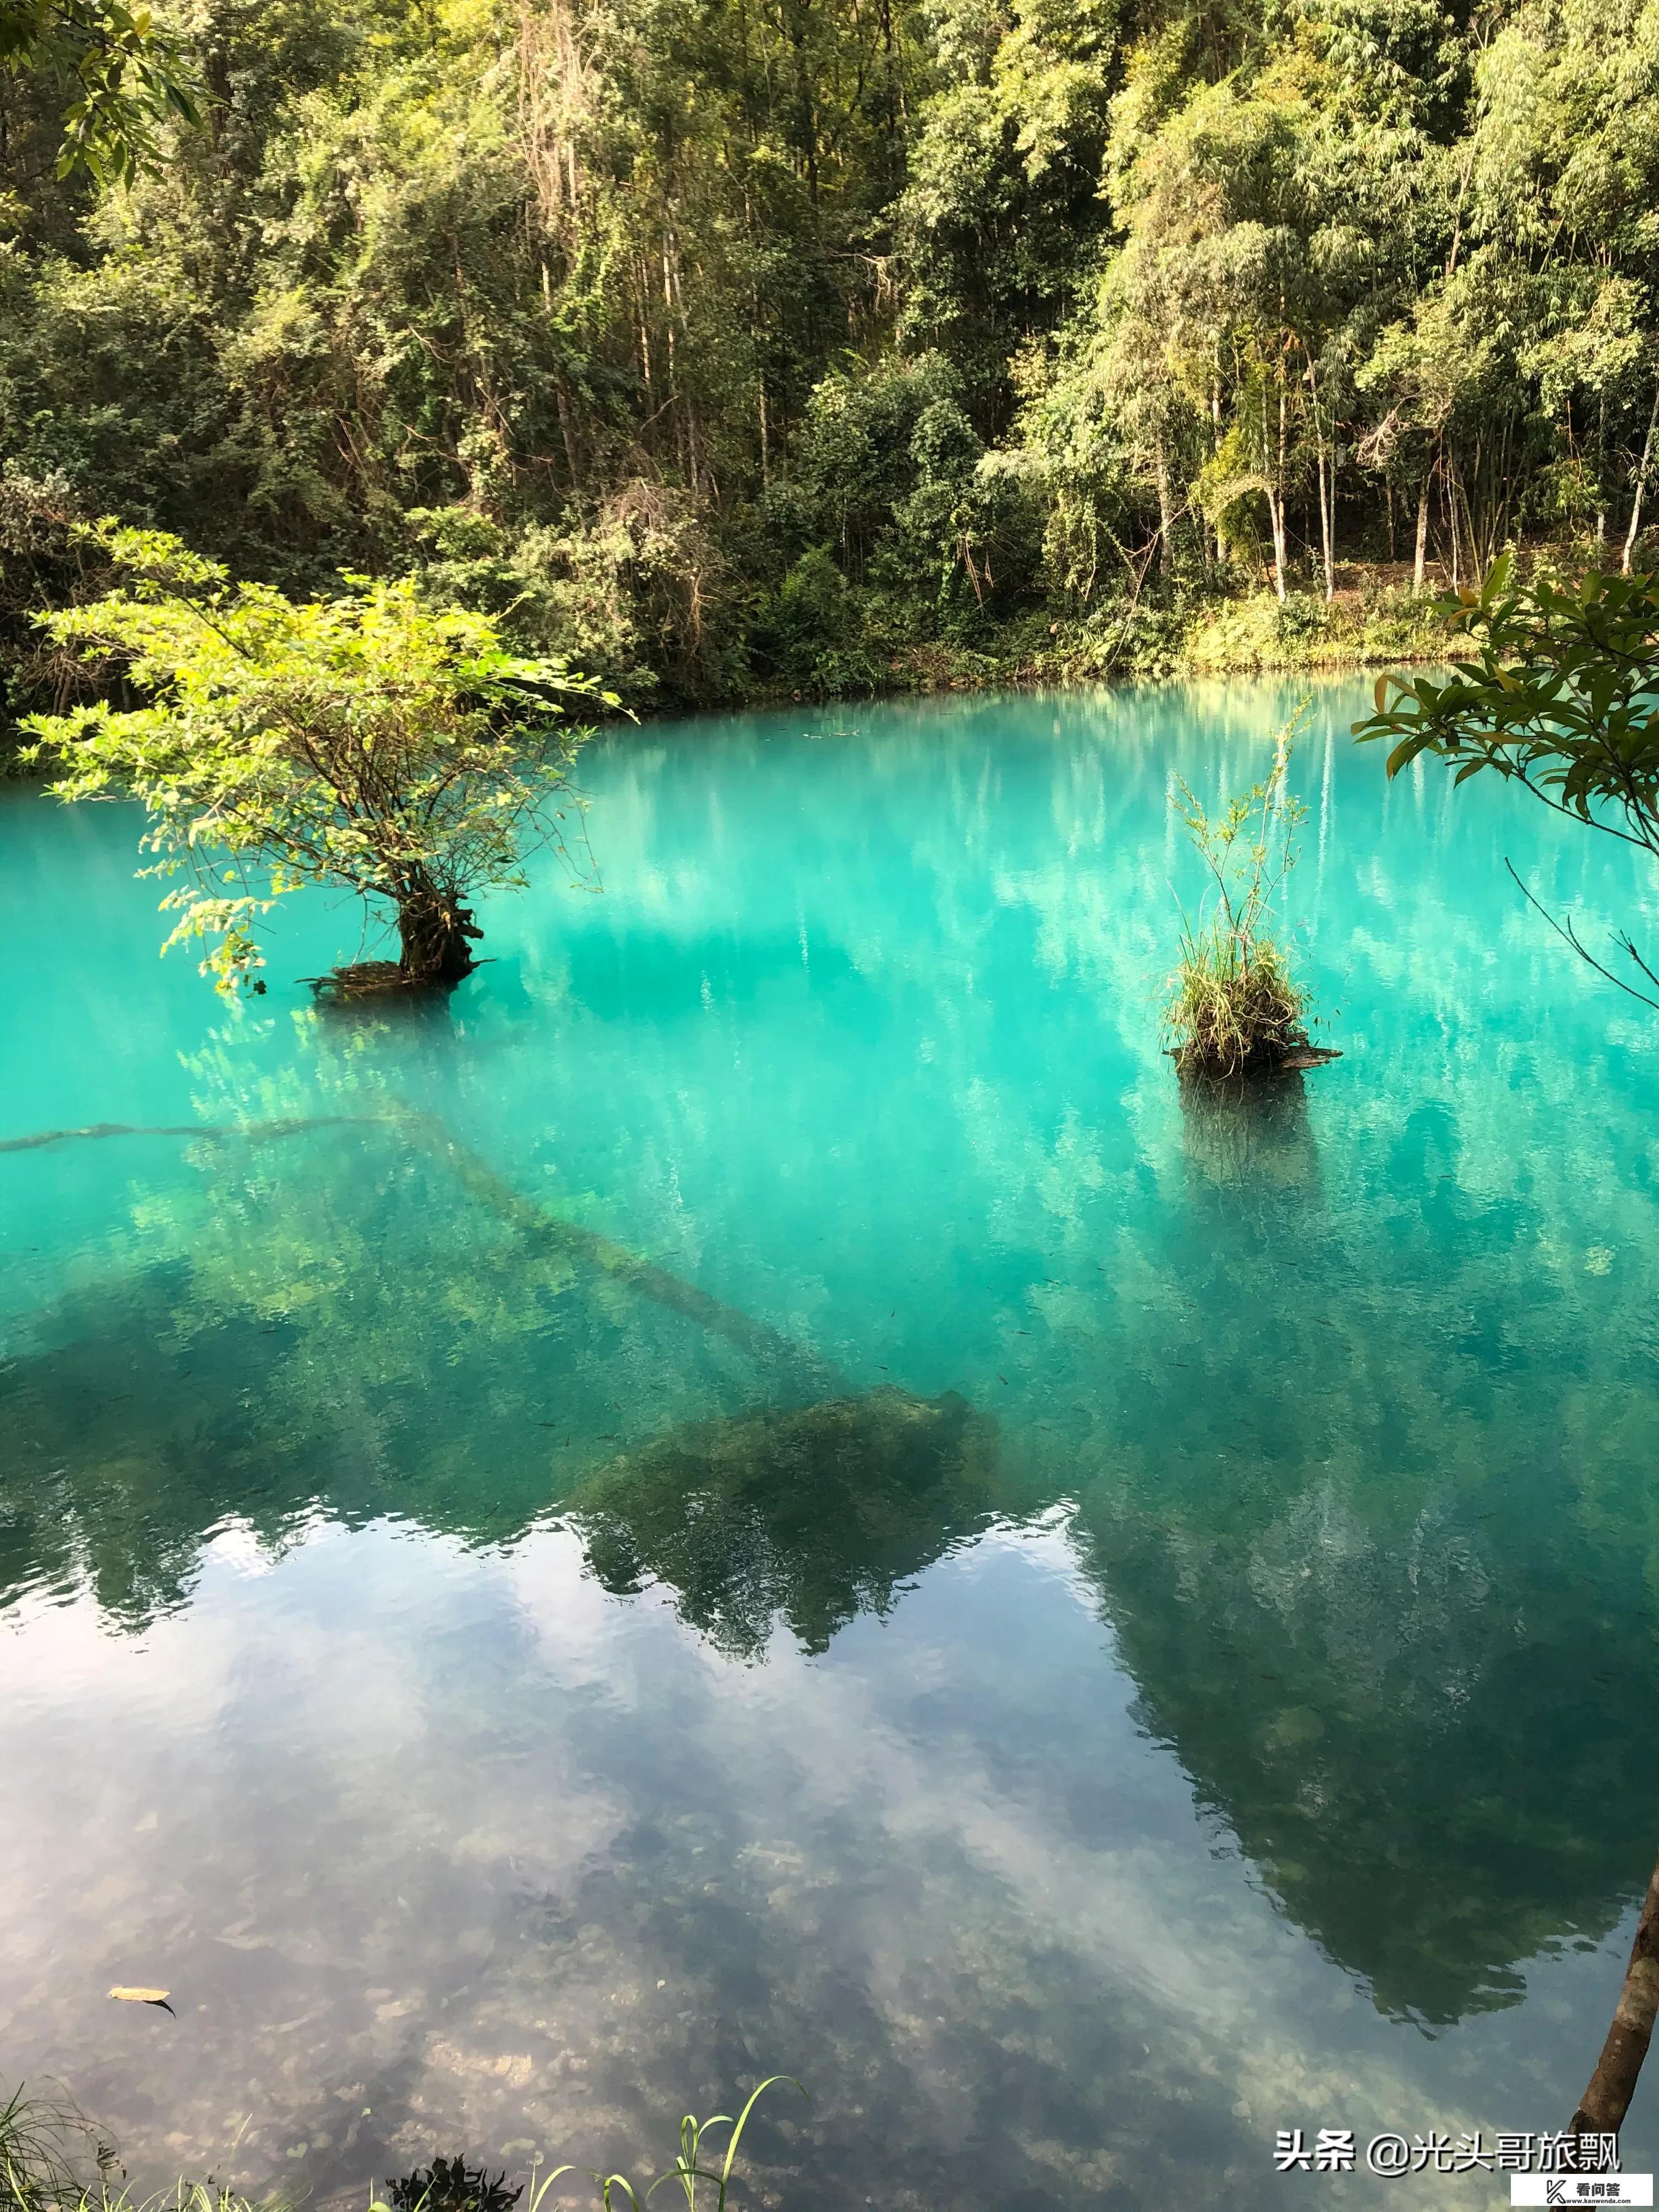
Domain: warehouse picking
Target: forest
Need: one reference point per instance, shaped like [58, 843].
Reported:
[747, 348]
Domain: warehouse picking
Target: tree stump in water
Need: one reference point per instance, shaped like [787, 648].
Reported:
[1261, 1065]
[363, 979]
[437, 935]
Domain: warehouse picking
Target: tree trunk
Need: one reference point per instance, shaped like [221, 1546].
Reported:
[1635, 530]
[435, 934]
[1278, 482]
[1276, 517]
[1215, 433]
[1422, 532]
[1603, 2107]
[1448, 501]
[1327, 484]
[1166, 507]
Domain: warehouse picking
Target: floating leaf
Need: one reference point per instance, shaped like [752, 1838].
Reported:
[141, 1997]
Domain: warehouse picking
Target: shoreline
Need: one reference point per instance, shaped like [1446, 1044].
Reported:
[1369, 623]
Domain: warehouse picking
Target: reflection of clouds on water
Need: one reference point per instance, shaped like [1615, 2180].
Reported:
[860, 1869]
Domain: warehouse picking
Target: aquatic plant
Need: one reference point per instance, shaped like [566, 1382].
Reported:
[687, 2169]
[1234, 1008]
[40, 2171]
[450, 2184]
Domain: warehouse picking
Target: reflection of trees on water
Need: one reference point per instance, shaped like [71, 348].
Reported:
[1427, 1753]
[1379, 1563]
[356, 1325]
[1382, 1579]
[808, 1516]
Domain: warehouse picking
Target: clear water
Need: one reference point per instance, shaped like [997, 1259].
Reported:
[1242, 1715]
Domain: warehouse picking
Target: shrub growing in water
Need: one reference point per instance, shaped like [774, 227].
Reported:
[1234, 1008]
[370, 743]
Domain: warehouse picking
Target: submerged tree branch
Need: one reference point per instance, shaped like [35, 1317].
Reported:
[1565, 929]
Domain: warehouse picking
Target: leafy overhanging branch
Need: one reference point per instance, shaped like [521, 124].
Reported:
[124, 73]
[1559, 692]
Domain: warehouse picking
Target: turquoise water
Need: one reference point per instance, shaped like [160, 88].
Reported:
[477, 1684]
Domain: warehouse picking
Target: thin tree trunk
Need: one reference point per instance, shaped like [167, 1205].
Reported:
[1603, 2107]
[1275, 510]
[1479, 555]
[1448, 501]
[1276, 516]
[1422, 531]
[1215, 438]
[1279, 481]
[1165, 511]
[1327, 490]
[1634, 531]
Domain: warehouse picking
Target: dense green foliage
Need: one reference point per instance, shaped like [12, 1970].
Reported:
[800, 344]
[368, 743]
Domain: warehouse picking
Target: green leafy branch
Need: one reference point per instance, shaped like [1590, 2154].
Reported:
[124, 73]
[1558, 691]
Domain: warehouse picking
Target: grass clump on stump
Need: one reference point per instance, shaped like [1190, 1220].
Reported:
[1234, 1008]
[373, 743]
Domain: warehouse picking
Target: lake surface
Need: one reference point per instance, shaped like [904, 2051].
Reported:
[470, 1675]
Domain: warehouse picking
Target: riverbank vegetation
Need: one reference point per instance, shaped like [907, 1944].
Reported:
[51, 2160]
[827, 345]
